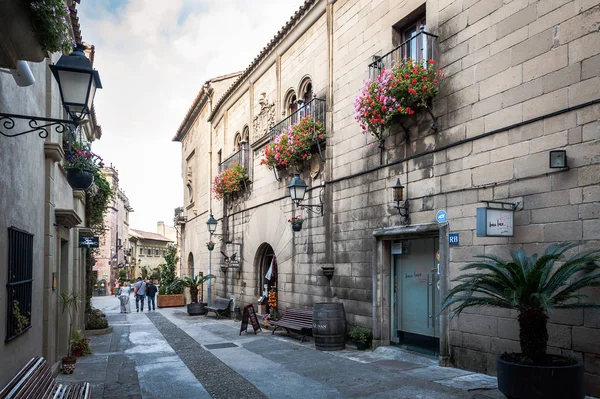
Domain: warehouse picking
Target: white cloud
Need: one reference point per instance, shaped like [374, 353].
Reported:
[153, 57]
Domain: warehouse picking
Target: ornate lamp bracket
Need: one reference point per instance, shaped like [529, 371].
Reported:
[39, 125]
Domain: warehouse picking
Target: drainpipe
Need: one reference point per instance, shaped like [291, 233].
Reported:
[210, 162]
[444, 280]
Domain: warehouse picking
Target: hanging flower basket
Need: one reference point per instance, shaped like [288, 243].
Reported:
[210, 245]
[79, 179]
[296, 223]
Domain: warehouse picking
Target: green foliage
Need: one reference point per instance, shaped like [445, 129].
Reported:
[95, 320]
[360, 334]
[193, 283]
[122, 275]
[50, 20]
[162, 290]
[70, 305]
[532, 286]
[80, 345]
[155, 275]
[167, 271]
[22, 320]
[144, 271]
[98, 201]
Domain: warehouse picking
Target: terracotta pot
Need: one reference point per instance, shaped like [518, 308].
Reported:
[79, 179]
[68, 364]
[167, 301]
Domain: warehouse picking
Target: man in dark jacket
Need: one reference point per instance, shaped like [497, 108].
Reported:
[151, 293]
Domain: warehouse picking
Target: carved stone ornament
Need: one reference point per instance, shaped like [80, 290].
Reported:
[265, 119]
[189, 185]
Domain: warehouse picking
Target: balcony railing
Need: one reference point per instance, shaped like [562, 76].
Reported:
[240, 157]
[419, 47]
[315, 108]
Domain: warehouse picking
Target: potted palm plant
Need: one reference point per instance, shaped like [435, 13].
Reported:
[70, 305]
[194, 283]
[533, 286]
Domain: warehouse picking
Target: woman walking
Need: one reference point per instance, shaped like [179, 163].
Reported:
[124, 298]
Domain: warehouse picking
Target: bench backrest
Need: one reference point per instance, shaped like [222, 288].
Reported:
[35, 380]
[299, 315]
[221, 303]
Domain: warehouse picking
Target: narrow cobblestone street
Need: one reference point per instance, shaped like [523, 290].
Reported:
[168, 354]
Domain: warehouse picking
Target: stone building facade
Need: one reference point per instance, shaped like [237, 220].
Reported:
[42, 216]
[148, 249]
[522, 79]
[115, 249]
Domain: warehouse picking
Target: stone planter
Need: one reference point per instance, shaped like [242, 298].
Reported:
[518, 381]
[169, 301]
[79, 179]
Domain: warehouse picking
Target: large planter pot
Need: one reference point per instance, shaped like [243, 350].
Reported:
[518, 381]
[196, 309]
[68, 364]
[79, 179]
[169, 301]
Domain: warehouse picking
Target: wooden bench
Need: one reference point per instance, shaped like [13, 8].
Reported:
[220, 306]
[295, 319]
[35, 380]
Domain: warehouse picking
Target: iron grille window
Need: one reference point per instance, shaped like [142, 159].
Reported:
[19, 286]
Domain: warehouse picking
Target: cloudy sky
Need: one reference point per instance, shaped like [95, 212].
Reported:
[153, 56]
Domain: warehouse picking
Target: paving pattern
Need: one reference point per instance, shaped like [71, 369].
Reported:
[168, 354]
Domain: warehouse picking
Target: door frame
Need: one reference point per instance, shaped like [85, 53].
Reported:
[382, 263]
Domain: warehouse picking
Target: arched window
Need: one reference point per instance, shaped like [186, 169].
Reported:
[306, 90]
[290, 103]
[237, 142]
[246, 135]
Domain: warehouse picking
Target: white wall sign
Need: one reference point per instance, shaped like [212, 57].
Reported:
[493, 222]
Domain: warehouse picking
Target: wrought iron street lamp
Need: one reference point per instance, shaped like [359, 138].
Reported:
[77, 82]
[298, 189]
[400, 205]
[211, 223]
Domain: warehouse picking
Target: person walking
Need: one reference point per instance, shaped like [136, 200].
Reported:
[151, 293]
[117, 287]
[124, 298]
[140, 294]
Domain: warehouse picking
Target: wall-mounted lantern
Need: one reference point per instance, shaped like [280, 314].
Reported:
[298, 190]
[402, 206]
[558, 159]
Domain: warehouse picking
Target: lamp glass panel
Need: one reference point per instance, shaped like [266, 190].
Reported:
[298, 192]
[74, 86]
[90, 99]
[398, 193]
[557, 159]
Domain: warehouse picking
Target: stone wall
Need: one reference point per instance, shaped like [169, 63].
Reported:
[508, 65]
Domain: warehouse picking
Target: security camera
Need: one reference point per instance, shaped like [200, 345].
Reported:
[22, 75]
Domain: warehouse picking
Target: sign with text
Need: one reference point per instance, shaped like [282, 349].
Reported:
[495, 222]
[249, 313]
[453, 239]
[89, 242]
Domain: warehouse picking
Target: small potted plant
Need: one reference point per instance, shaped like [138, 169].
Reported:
[361, 336]
[296, 222]
[70, 305]
[532, 286]
[81, 166]
[210, 245]
[80, 345]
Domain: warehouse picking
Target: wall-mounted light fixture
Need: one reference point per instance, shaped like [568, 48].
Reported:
[298, 190]
[558, 159]
[402, 206]
[77, 82]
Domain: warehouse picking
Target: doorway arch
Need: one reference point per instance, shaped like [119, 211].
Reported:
[266, 270]
[190, 265]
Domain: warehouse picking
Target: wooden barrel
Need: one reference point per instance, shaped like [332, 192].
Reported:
[329, 326]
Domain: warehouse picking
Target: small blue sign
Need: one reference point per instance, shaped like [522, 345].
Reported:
[453, 240]
[440, 216]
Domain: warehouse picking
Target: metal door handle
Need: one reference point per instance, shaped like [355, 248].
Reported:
[428, 284]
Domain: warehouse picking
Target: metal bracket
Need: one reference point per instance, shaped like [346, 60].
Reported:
[316, 209]
[504, 205]
[39, 125]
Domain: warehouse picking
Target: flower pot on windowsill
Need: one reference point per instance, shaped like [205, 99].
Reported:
[297, 227]
[79, 179]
